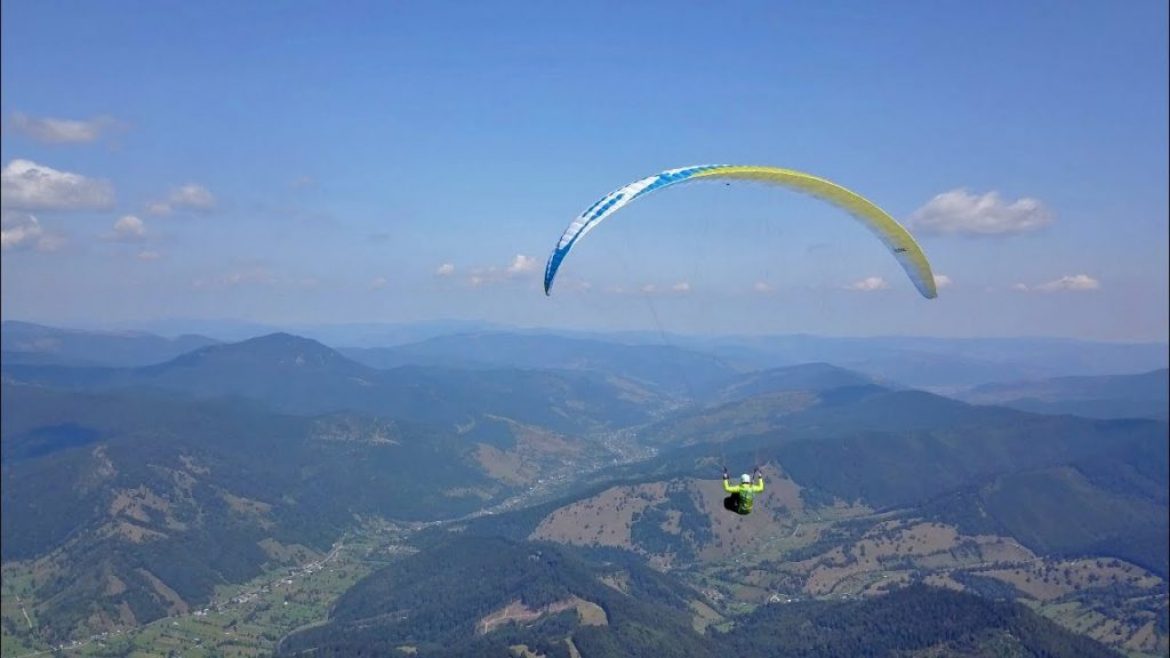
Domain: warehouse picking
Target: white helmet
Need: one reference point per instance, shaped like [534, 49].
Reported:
[745, 478]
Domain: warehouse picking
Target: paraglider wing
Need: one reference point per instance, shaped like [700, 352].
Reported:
[896, 238]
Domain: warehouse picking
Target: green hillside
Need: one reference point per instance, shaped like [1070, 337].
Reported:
[475, 596]
[150, 503]
[915, 621]
[498, 595]
[808, 377]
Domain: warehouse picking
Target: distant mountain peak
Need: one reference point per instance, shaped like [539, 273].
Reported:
[281, 338]
[816, 376]
[281, 350]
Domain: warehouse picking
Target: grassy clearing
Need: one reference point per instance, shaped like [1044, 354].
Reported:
[842, 552]
[242, 621]
[1136, 636]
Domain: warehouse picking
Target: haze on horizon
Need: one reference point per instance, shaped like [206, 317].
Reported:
[312, 163]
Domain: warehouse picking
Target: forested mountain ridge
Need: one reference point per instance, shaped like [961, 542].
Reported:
[302, 376]
[129, 506]
[513, 598]
[25, 342]
[132, 493]
[1144, 395]
[663, 368]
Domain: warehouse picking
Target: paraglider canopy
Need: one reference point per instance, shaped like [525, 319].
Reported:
[896, 238]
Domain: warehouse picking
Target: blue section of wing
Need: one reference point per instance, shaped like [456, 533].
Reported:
[602, 206]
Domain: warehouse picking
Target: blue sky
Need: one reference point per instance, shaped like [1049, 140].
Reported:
[320, 162]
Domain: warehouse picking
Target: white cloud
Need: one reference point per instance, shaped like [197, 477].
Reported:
[678, 288]
[129, 229]
[29, 186]
[960, 212]
[148, 255]
[869, 284]
[191, 196]
[1074, 282]
[378, 283]
[1070, 283]
[942, 281]
[520, 267]
[445, 270]
[19, 230]
[522, 264]
[762, 287]
[63, 131]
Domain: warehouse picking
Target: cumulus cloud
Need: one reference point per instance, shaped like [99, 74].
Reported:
[868, 284]
[961, 212]
[129, 229]
[646, 289]
[942, 281]
[1070, 283]
[191, 196]
[27, 185]
[17, 229]
[20, 231]
[63, 131]
[520, 267]
[522, 264]
[445, 270]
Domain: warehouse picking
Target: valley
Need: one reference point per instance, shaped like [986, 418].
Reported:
[201, 525]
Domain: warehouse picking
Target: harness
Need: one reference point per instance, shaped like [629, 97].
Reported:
[746, 497]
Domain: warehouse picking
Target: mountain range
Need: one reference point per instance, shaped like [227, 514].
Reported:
[1144, 395]
[133, 492]
[301, 376]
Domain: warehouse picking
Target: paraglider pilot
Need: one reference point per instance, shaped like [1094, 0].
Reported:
[742, 494]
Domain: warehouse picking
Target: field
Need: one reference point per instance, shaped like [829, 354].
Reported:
[788, 551]
[844, 552]
[241, 622]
